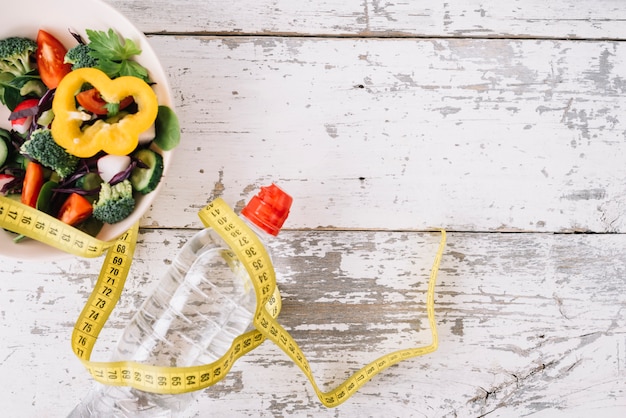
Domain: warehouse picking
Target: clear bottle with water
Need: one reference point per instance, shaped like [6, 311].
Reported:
[202, 303]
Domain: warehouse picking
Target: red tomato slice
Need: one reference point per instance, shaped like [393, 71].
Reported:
[75, 210]
[93, 102]
[50, 55]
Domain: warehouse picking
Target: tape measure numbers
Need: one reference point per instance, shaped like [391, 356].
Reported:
[23, 219]
[246, 247]
[172, 380]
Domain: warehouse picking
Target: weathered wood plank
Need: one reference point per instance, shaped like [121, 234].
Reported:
[528, 323]
[467, 134]
[601, 19]
[402, 134]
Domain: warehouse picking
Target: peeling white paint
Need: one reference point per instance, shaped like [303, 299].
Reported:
[400, 117]
[544, 312]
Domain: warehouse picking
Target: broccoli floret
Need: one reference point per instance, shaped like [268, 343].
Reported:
[114, 203]
[42, 147]
[79, 57]
[15, 55]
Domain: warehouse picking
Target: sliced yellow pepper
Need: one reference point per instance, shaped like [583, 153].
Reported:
[119, 137]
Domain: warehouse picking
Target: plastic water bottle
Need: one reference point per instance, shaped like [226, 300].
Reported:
[199, 307]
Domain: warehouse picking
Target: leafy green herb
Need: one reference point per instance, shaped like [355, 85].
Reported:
[115, 54]
[13, 89]
[112, 109]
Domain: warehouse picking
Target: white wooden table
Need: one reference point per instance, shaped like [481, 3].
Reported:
[503, 122]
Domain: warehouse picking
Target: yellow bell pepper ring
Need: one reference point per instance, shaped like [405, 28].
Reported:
[119, 137]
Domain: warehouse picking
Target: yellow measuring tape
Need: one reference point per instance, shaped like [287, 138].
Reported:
[173, 380]
[32, 223]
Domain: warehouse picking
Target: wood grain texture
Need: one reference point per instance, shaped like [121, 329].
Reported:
[477, 135]
[571, 19]
[384, 120]
[527, 326]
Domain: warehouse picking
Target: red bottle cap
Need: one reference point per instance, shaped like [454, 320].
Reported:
[268, 209]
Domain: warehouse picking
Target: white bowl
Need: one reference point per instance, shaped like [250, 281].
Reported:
[25, 18]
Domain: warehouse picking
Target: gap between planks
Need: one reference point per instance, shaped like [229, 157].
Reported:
[373, 35]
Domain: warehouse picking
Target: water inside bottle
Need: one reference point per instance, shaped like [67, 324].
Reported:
[176, 328]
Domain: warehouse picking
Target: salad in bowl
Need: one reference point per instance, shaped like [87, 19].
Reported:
[86, 121]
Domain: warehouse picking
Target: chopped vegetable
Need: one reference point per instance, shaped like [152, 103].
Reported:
[115, 203]
[42, 148]
[145, 180]
[45, 118]
[90, 183]
[148, 135]
[14, 90]
[110, 165]
[80, 57]
[11, 181]
[117, 138]
[167, 129]
[33, 181]
[92, 101]
[45, 114]
[6, 180]
[15, 55]
[50, 56]
[44, 200]
[75, 210]
[16, 71]
[19, 238]
[33, 87]
[22, 124]
[115, 55]
[4, 148]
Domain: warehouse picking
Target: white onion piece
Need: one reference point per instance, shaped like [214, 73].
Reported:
[110, 165]
[147, 135]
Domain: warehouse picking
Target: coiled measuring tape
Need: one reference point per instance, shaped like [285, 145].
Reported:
[174, 380]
